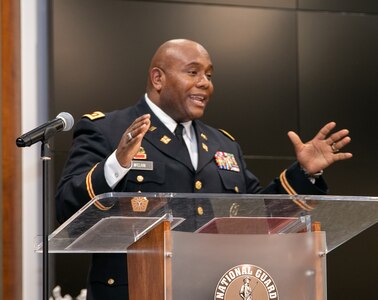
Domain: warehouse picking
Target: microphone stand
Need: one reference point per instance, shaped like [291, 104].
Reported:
[43, 133]
[45, 157]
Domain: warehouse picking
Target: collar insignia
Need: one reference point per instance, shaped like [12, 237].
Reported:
[204, 136]
[165, 140]
[204, 146]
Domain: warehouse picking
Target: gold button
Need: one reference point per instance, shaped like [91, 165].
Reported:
[140, 178]
[198, 185]
[111, 281]
[200, 210]
[236, 189]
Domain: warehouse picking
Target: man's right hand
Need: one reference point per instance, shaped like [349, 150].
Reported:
[131, 140]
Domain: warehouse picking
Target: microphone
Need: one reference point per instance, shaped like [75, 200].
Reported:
[63, 122]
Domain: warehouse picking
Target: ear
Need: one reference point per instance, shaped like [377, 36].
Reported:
[157, 78]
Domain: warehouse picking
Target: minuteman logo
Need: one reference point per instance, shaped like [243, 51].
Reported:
[246, 282]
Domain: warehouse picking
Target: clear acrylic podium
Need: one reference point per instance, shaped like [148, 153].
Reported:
[218, 246]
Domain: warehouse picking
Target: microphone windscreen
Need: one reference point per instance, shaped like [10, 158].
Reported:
[68, 120]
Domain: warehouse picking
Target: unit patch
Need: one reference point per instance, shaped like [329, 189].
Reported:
[246, 282]
[226, 161]
[141, 154]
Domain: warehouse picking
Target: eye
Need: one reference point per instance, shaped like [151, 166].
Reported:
[192, 72]
[209, 75]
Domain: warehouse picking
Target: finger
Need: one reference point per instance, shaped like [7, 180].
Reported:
[139, 132]
[341, 143]
[295, 140]
[342, 156]
[323, 133]
[139, 122]
[337, 136]
[137, 127]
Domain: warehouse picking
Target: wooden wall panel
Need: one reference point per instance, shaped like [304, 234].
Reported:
[11, 156]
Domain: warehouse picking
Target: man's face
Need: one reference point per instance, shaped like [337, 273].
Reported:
[186, 83]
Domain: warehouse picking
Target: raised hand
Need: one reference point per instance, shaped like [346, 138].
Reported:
[131, 140]
[323, 150]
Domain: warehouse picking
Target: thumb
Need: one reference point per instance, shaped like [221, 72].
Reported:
[295, 140]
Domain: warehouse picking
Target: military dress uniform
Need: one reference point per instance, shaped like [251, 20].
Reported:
[96, 136]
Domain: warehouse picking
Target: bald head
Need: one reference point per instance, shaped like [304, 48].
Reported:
[179, 79]
[171, 51]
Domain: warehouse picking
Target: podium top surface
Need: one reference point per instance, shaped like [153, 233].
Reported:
[113, 221]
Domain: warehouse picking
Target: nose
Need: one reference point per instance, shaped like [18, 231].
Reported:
[203, 81]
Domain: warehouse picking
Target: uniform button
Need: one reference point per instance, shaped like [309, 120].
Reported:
[116, 175]
[236, 189]
[198, 185]
[200, 210]
[111, 281]
[140, 178]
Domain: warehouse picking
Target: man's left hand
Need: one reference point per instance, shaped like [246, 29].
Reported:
[323, 150]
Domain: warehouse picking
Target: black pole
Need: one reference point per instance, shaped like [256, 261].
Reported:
[45, 156]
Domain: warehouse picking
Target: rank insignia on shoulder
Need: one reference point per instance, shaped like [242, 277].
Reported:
[141, 154]
[226, 161]
[227, 134]
[94, 116]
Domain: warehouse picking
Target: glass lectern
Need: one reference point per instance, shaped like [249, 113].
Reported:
[218, 246]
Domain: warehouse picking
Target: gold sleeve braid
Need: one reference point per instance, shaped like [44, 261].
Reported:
[91, 193]
[289, 189]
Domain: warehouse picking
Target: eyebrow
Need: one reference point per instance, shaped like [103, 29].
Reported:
[195, 64]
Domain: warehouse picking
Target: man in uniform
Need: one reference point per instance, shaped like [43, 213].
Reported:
[179, 87]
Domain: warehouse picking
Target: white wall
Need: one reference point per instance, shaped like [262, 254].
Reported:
[34, 112]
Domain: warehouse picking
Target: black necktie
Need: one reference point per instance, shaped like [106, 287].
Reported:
[178, 133]
[183, 148]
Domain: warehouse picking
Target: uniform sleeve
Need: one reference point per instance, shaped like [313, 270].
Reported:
[83, 176]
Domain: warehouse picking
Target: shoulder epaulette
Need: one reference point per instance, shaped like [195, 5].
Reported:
[94, 116]
[227, 134]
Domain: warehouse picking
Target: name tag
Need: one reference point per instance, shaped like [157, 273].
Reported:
[142, 165]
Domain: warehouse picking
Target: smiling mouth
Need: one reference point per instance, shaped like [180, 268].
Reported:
[199, 99]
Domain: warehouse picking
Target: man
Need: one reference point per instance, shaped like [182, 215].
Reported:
[178, 90]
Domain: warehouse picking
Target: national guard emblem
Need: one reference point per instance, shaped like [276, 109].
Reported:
[246, 282]
[141, 154]
[226, 161]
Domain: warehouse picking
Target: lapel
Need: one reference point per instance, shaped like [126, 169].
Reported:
[207, 145]
[163, 139]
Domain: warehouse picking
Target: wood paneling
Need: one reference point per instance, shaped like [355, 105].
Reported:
[149, 267]
[11, 156]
